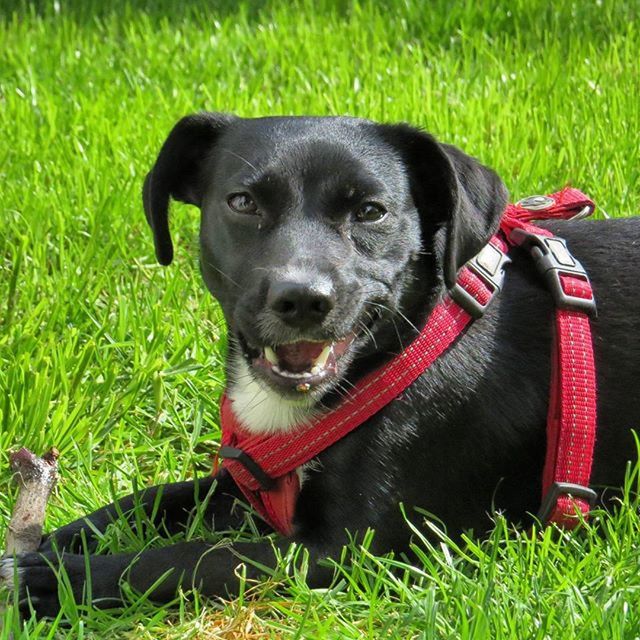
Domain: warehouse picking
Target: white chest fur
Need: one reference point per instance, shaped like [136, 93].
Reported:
[262, 410]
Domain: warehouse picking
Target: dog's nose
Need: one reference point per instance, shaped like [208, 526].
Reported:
[301, 304]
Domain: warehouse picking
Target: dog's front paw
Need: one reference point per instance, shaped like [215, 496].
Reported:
[39, 580]
[33, 580]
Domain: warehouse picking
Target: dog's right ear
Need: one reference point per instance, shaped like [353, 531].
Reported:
[177, 173]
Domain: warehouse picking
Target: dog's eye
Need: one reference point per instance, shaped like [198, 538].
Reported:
[242, 203]
[370, 212]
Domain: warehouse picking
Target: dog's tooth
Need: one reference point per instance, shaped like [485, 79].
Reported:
[270, 355]
[295, 375]
[315, 370]
[321, 360]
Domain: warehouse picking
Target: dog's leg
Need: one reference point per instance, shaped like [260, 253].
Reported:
[209, 568]
[185, 564]
[167, 507]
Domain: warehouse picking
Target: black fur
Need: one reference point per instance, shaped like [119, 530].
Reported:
[468, 437]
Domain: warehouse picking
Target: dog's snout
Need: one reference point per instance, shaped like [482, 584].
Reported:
[301, 304]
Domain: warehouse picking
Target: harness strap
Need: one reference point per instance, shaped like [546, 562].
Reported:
[571, 423]
[264, 466]
[572, 414]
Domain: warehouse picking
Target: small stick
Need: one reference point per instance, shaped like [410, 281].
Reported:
[36, 478]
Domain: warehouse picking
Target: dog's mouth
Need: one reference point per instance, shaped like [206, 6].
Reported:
[307, 364]
[302, 365]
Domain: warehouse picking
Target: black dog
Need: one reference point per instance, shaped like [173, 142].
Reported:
[343, 233]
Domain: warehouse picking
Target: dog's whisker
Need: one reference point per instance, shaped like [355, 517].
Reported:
[395, 312]
[368, 331]
[395, 326]
[413, 326]
[222, 273]
[237, 155]
[392, 313]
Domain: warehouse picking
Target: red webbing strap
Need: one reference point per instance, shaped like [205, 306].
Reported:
[562, 205]
[571, 422]
[571, 419]
[276, 506]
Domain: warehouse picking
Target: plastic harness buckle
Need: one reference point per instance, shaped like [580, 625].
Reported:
[553, 259]
[488, 265]
[558, 489]
[233, 453]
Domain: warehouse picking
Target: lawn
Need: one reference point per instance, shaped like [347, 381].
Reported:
[118, 361]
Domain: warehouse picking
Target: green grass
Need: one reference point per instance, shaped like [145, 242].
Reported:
[117, 361]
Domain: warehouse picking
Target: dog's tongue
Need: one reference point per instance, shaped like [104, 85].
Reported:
[299, 356]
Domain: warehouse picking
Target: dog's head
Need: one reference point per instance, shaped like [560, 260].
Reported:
[319, 236]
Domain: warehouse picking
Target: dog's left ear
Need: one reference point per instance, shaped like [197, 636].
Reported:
[450, 190]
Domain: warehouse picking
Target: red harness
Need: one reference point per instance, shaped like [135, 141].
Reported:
[264, 466]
